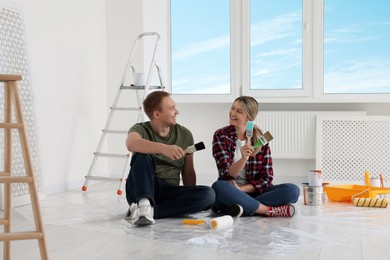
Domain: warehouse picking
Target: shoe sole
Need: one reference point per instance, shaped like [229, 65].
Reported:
[143, 221]
[235, 211]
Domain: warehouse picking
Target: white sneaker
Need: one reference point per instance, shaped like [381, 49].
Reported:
[143, 215]
[132, 211]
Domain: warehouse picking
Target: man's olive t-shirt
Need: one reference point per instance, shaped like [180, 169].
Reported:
[166, 169]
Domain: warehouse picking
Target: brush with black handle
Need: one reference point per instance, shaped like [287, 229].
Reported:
[196, 147]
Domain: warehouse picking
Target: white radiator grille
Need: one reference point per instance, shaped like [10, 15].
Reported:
[347, 147]
[294, 132]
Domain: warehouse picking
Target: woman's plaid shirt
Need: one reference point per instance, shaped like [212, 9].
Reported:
[259, 170]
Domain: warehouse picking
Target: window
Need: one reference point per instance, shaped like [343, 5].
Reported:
[305, 50]
[356, 47]
[275, 45]
[200, 47]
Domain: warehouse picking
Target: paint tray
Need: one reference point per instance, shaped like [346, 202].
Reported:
[345, 192]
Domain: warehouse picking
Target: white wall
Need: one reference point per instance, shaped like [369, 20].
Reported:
[67, 49]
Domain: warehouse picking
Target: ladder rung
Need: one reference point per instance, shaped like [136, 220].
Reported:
[4, 221]
[103, 178]
[111, 154]
[4, 174]
[11, 125]
[124, 108]
[115, 131]
[15, 179]
[20, 235]
[136, 87]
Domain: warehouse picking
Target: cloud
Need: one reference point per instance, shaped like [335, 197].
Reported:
[201, 47]
[266, 30]
[203, 84]
[359, 77]
[277, 28]
[280, 52]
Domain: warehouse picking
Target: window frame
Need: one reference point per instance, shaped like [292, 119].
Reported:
[306, 90]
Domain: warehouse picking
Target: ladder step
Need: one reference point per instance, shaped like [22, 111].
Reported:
[4, 174]
[11, 125]
[108, 131]
[4, 221]
[103, 178]
[124, 108]
[15, 179]
[21, 235]
[110, 154]
[137, 87]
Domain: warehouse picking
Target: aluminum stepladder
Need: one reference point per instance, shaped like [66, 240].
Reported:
[141, 92]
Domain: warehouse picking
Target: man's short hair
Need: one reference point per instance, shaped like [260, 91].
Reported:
[153, 102]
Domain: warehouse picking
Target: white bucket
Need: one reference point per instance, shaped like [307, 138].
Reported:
[313, 195]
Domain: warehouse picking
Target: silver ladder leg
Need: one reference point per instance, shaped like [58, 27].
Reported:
[141, 93]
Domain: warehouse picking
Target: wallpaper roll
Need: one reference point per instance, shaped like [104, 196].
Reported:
[221, 222]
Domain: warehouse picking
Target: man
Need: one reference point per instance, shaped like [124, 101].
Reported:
[153, 186]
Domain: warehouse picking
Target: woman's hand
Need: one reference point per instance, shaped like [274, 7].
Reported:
[234, 183]
[246, 151]
[247, 188]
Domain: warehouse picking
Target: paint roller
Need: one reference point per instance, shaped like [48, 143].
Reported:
[369, 202]
[215, 223]
[221, 222]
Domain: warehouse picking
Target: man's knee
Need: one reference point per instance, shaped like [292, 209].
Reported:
[208, 196]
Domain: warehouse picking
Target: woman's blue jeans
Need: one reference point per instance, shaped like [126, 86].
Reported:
[168, 200]
[275, 195]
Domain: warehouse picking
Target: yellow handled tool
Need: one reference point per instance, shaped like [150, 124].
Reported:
[193, 221]
[370, 202]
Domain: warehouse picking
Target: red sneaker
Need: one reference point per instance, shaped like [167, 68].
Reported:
[281, 211]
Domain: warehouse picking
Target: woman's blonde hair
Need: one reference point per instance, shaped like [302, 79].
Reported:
[251, 108]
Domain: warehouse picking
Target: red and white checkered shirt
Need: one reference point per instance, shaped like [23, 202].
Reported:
[259, 170]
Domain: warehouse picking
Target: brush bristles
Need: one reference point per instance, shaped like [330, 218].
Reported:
[268, 136]
[199, 146]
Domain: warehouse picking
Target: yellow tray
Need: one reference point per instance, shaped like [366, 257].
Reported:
[345, 192]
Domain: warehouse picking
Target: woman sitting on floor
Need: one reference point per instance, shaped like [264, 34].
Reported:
[245, 178]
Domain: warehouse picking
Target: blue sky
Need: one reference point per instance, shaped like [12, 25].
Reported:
[355, 46]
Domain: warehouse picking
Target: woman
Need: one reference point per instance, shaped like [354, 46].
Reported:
[245, 178]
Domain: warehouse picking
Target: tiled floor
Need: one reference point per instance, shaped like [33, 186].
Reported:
[91, 225]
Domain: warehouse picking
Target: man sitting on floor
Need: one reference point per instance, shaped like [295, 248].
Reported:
[152, 187]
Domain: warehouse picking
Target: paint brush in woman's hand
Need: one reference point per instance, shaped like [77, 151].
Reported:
[196, 147]
[249, 131]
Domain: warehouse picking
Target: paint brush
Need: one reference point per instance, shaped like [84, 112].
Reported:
[196, 147]
[264, 139]
[249, 131]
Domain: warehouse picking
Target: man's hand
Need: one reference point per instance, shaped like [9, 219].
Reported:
[173, 152]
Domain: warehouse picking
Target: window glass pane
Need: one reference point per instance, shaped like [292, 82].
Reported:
[200, 46]
[356, 46]
[276, 44]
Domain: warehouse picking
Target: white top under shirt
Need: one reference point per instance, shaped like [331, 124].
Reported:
[241, 177]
